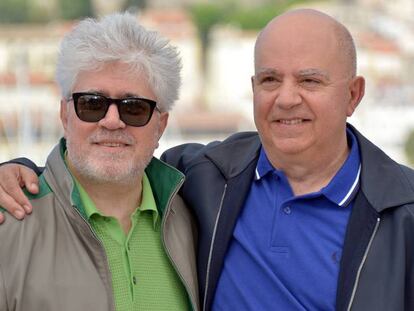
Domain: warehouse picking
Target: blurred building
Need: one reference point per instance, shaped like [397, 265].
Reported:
[29, 101]
[213, 105]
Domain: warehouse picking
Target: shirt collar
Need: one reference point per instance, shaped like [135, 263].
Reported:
[343, 186]
[263, 165]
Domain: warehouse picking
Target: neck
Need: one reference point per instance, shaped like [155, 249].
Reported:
[310, 173]
[114, 199]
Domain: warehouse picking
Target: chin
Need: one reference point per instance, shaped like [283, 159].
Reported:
[114, 174]
[289, 146]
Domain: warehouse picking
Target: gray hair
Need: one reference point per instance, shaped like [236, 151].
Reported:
[118, 37]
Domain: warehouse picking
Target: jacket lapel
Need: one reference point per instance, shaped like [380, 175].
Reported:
[236, 192]
[359, 231]
[238, 169]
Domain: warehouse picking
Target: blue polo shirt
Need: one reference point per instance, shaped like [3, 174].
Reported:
[286, 250]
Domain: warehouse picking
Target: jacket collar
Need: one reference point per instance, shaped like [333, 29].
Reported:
[233, 161]
[164, 179]
[384, 182]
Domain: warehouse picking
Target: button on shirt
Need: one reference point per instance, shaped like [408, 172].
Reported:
[286, 250]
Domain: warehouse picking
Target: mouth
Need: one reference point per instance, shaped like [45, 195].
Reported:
[111, 144]
[292, 121]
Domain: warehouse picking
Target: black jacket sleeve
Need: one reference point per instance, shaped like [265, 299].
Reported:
[26, 162]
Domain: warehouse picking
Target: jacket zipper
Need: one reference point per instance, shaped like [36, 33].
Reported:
[173, 194]
[212, 246]
[362, 264]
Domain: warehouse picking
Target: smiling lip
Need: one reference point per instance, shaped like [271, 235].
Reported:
[292, 121]
[111, 144]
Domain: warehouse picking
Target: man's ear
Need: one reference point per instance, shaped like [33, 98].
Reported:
[64, 114]
[252, 82]
[357, 91]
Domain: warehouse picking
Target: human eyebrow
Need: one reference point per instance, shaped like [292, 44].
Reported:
[267, 71]
[312, 72]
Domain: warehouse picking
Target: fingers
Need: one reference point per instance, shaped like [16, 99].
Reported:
[29, 178]
[1, 218]
[14, 208]
[12, 198]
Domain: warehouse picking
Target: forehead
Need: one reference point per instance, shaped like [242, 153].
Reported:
[300, 42]
[114, 79]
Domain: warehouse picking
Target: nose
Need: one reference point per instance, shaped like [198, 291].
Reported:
[288, 96]
[112, 120]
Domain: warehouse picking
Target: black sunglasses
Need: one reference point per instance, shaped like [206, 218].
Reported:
[133, 111]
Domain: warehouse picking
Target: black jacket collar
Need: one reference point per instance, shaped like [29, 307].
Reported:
[384, 182]
[233, 161]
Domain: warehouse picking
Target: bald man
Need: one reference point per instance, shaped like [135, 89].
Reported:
[305, 214]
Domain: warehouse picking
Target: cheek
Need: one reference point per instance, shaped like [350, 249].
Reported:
[78, 131]
[263, 102]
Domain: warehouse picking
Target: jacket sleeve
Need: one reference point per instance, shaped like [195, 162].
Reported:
[180, 155]
[3, 300]
[185, 155]
[28, 163]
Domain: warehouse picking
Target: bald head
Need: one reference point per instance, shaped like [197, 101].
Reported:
[314, 26]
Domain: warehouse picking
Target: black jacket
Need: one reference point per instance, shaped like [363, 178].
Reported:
[377, 266]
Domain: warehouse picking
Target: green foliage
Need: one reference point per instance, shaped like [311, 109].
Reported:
[13, 11]
[75, 9]
[256, 18]
[409, 147]
[27, 11]
[205, 16]
[136, 4]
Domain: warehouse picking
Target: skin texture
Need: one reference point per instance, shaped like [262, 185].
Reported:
[304, 90]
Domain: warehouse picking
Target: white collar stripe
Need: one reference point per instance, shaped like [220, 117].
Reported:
[257, 174]
[354, 185]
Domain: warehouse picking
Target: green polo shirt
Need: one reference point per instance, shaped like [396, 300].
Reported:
[142, 275]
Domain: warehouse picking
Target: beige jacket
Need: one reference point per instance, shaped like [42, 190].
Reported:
[53, 261]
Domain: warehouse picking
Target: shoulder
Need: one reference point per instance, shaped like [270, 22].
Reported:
[14, 231]
[409, 174]
[190, 152]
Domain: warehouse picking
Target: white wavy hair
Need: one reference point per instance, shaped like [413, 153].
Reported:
[118, 37]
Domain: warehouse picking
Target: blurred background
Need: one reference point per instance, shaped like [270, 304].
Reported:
[215, 39]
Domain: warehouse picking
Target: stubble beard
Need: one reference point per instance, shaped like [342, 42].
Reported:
[111, 168]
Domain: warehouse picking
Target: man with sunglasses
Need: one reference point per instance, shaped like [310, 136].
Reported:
[108, 231]
[305, 214]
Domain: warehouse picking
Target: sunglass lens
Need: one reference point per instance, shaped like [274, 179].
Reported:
[91, 108]
[135, 112]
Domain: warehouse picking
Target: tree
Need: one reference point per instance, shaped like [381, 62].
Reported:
[75, 9]
[205, 16]
[13, 11]
[208, 14]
